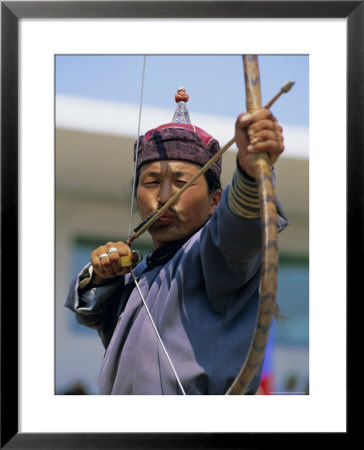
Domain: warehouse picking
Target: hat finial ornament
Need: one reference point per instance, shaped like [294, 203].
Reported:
[181, 114]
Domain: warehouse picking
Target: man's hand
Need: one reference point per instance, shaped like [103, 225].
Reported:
[106, 261]
[257, 132]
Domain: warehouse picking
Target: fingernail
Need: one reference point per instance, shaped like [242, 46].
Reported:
[250, 148]
[245, 118]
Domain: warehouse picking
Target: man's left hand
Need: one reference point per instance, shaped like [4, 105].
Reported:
[258, 132]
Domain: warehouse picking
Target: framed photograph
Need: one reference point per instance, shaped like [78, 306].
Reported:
[35, 38]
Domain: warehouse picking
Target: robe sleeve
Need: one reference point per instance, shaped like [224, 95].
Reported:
[231, 249]
[95, 307]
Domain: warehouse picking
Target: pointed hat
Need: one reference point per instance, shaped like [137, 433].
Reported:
[178, 140]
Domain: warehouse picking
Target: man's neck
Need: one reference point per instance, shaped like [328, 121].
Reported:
[161, 255]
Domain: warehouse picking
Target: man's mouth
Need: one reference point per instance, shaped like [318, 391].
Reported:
[166, 218]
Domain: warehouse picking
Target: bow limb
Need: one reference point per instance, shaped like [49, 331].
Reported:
[268, 282]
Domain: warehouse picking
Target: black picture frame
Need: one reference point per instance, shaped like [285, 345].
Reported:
[11, 13]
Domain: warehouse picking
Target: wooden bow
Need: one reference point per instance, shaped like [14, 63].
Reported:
[268, 282]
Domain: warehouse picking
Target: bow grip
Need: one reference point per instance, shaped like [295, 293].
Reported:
[253, 95]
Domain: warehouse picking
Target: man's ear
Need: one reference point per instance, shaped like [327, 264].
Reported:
[215, 198]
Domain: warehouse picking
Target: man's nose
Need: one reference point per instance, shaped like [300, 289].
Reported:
[166, 191]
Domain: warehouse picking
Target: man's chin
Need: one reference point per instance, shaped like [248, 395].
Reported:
[166, 233]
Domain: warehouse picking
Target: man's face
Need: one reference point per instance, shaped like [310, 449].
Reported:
[158, 182]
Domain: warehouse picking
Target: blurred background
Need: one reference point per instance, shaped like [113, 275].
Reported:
[97, 109]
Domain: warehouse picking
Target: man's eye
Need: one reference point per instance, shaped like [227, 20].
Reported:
[151, 183]
[181, 181]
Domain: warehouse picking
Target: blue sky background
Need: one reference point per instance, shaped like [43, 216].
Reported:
[214, 83]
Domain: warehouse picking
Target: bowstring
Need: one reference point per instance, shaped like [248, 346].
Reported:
[156, 332]
[129, 234]
[137, 148]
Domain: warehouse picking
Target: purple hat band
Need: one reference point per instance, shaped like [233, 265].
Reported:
[183, 142]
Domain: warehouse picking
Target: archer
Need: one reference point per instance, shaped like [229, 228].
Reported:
[182, 321]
